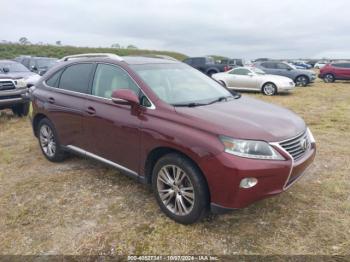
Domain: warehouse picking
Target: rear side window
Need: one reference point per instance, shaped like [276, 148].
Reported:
[269, 65]
[76, 78]
[342, 65]
[53, 80]
[109, 78]
[240, 71]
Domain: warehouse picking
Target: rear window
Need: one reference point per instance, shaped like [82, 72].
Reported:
[76, 78]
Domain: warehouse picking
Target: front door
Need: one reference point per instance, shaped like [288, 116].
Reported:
[112, 131]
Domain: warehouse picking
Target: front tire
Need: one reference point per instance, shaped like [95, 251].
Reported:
[48, 141]
[329, 78]
[180, 189]
[302, 80]
[269, 89]
[21, 110]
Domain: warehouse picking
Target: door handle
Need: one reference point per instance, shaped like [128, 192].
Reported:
[91, 111]
[51, 100]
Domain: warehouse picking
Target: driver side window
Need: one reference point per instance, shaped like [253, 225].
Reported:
[282, 66]
[109, 78]
[240, 71]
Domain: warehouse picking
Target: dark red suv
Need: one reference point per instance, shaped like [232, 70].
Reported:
[164, 123]
[335, 71]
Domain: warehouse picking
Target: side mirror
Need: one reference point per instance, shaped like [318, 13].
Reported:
[125, 95]
[6, 69]
[250, 74]
[34, 68]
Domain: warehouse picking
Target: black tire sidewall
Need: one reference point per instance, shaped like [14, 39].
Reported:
[201, 203]
[274, 86]
[59, 153]
[332, 78]
[307, 80]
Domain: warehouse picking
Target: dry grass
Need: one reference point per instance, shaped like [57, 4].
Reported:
[81, 207]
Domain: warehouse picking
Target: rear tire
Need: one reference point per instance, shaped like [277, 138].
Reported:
[329, 78]
[180, 189]
[21, 110]
[48, 141]
[269, 89]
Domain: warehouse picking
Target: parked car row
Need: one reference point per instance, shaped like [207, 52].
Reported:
[39, 65]
[254, 79]
[200, 146]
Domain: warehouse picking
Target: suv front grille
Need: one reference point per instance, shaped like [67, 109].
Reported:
[6, 85]
[297, 146]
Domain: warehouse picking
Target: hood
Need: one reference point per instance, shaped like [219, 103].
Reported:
[245, 118]
[17, 75]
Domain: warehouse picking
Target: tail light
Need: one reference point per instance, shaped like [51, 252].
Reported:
[226, 68]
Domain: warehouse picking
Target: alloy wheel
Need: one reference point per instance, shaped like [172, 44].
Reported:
[302, 81]
[175, 190]
[47, 140]
[329, 78]
[269, 89]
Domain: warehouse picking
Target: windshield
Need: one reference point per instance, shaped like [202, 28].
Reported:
[46, 62]
[257, 71]
[180, 84]
[13, 67]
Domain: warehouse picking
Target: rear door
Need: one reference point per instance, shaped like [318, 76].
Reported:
[65, 101]
[112, 131]
[342, 70]
[269, 68]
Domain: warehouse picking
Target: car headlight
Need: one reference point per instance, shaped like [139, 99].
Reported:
[21, 83]
[250, 149]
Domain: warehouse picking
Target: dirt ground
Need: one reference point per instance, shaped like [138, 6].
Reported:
[83, 207]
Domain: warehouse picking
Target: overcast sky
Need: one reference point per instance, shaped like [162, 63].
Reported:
[247, 29]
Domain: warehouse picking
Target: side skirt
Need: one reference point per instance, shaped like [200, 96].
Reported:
[121, 168]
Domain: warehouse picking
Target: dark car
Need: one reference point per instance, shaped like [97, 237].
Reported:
[38, 65]
[335, 71]
[168, 125]
[14, 79]
[300, 77]
[207, 65]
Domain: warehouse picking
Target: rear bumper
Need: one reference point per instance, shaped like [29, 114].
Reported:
[274, 177]
[12, 97]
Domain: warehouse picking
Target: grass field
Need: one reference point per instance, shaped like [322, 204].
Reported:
[10, 51]
[82, 207]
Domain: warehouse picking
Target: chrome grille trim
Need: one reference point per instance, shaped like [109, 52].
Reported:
[7, 85]
[297, 146]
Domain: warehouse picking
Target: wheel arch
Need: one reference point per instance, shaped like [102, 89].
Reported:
[35, 122]
[299, 75]
[265, 83]
[155, 154]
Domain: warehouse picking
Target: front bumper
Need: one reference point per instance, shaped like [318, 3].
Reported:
[14, 96]
[284, 88]
[273, 177]
[312, 78]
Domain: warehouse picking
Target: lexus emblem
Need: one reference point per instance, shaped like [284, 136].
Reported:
[303, 144]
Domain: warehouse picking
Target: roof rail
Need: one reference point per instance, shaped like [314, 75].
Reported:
[89, 55]
[160, 56]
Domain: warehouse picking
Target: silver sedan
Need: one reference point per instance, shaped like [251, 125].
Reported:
[254, 79]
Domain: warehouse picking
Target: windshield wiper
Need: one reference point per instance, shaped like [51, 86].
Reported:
[190, 104]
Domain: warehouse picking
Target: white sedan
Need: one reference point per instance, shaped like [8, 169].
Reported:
[254, 79]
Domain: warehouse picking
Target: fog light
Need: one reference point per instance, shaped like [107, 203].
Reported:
[248, 182]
